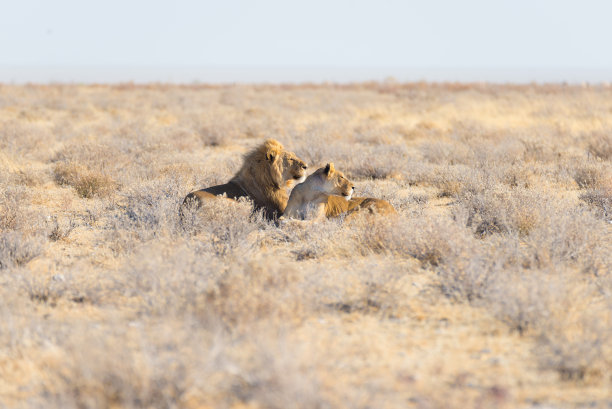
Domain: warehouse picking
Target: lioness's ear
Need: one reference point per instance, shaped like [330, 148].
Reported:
[329, 168]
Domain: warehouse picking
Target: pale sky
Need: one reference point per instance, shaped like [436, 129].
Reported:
[185, 40]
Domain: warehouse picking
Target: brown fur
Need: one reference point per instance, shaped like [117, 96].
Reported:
[309, 199]
[266, 173]
[336, 206]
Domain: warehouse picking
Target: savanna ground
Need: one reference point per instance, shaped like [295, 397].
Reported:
[493, 288]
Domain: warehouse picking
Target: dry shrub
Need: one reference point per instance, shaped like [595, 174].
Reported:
[574, 348]
[468, 274]
[90, 185]
[280, 375]
[518, 176]
[548, 305]
[98, 168]
[87, 183]
[357, 160]
[21, 230]
[13, 210]
[564, 238]
[573, 335]
[17, 249]
[254, 290]
[31, 178]
[228, 227]
[592, 176]
[461, 180]
[570, 237]
[176, 364]
[23, 137]
[61, 228]
[153, 210]
[447, 153]
[519, 299]
[431, 242]
[600, 200]
[101, 156]
[168, 279]
[515, 212]
[449, 181]
[214, 135]
[51, 290]
[145, 211]
[378, 162]
[311, 240]
[107, 374]
[600, 146]
[375, 287]
[538, 150]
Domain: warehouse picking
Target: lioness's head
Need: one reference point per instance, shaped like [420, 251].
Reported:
[294, 169]
[333, 182]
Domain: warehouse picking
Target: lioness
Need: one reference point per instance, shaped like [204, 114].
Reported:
[309, 199]
[357, 205]
[266, 174]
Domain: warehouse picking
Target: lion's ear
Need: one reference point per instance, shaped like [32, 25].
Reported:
[329, 168]
[270, 156]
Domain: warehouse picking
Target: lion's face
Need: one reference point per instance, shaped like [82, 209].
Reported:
[334, 182]
[294, 169]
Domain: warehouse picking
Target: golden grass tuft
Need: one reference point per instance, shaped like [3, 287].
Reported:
[86, 183]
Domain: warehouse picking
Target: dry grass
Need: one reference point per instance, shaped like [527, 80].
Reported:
[493, 287]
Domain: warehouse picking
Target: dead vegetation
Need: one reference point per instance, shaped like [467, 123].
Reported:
[493, 287]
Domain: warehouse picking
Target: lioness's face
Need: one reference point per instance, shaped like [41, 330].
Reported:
[335, 183]
[294, 169]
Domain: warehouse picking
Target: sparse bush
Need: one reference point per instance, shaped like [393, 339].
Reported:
[430, 242]
[469, 272]
[357, 160]
[310, 240]
[61, 230]
[590, 177]
[215, 136]
[490, 212]
[449, 186]
[601, 146]
[447, 153]
[573, 336]
[519, 299]
[538, 151]
[518, 176]
[17, 249]
[13, 213]
[573, 237]
[146, 211]
[600, 200]
[228, 227]
[86, 183]
[460, 180]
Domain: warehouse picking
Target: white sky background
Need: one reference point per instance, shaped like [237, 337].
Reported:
[316, 40]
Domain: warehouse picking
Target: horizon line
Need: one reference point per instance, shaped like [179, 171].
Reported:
[270, 74]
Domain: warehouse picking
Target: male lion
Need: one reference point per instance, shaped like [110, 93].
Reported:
[309, 199]
[266, 174]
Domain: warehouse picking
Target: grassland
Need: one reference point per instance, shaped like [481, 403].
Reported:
[492, 289]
